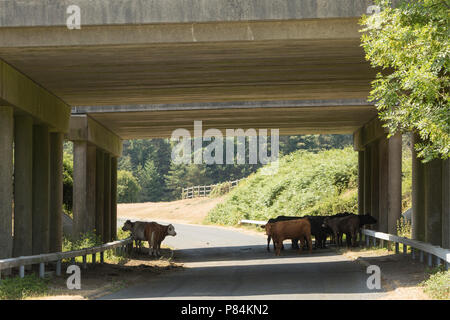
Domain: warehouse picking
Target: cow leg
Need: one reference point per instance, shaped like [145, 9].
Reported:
[268, 243]
[294, 243]
[279, 245]
[302, 243]
[308, 238]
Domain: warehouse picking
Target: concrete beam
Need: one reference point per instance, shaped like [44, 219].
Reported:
[6, 180]
[24, 94]
[23, 186]
[113, 198]
[53, 13]
[370, 132]
[418, 193]
[83, 128]
[41, 189]
[56, 191]
[83, 187]
[99, 193]
[446, 204]
[107, 199]
[433, 202]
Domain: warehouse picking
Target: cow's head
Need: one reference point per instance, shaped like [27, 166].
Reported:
[325, 222]
[171, 230]
[367, 219]
[268, 227]
[128, 225]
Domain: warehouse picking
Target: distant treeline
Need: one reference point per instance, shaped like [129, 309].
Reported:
[146, 172]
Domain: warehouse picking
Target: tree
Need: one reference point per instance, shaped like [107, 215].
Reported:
[127, 187]
[410, 43]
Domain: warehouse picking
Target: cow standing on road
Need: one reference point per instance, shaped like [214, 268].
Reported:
[291, 229]
[155, 233]
[137, 231]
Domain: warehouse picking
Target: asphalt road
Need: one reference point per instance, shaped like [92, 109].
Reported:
[226, 264]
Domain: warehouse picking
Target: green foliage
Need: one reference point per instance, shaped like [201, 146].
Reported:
[410, 44]
[404, 228]
[127, 187]
[220, 189]
[20, 288]
[68, 182]
[437, 286]
[86, 240]
[306, 183]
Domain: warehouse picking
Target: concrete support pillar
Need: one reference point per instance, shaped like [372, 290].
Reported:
[446, 204]
[84, 195]
[395, 182]
[113, 198]
[99, 193]
[433, 202]
[41, 189]
[367, 180]
[418, 193]
[56, 191]
[375, 181]
[107, 202]
[6, 181]
[383, 184]
[23, 186]
[361, 182]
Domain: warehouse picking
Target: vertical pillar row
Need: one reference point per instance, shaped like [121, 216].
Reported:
[99, 193]
[84, 195]
[107, 199]
[367, 180]
[361, 182]
[446, 204]
[23, 186]
[418, 193]
[56, 191]
[6, 180]
[41, 190]
[113, 198]
[383, 184]
[395, 182]
[433, 202]
[375, 181]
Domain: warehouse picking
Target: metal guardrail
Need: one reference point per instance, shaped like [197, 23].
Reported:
[41, 259]
[419, 246]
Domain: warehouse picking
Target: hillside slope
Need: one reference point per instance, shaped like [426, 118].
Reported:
[306, 183]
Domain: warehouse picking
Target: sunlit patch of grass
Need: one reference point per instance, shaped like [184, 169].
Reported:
[20, 288]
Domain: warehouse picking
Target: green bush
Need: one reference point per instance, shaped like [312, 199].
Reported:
[437, 286]
[20, 288]
[306, 183]
[86, 240]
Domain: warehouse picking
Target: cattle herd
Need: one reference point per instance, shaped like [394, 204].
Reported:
[302, 228]
[278, 229]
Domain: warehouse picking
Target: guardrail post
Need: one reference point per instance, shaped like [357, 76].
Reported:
[405, 249]
[367, 240]
[420, 255]
[381, 243]
[41, 269]
[446, 265]
[22, 271]
[93, 258]
[84, 262]
[430, 260]
[397, 248]
[438, 261]
[413, 253]
[58, 268]
[374, 240]
[102, 257]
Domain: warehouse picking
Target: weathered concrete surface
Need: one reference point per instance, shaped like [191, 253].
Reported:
[23, 185]
[83, 187]
[14, 13]
[107, 199]
[17, 90]
[291, 118]
[418, 193]
[6, 180]
[83, 128]
[113, 198]
[41, 188]
[433, 202]
[99, 192]
[395, 182]
[446, 204]
[56, 191]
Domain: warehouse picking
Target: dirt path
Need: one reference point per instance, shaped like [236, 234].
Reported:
[182, 211]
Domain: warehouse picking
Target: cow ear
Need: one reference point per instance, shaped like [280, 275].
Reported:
[263, 226]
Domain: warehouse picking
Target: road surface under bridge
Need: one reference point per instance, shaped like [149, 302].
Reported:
[142, 69]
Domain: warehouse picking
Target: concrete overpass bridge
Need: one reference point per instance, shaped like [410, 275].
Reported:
[140, 69]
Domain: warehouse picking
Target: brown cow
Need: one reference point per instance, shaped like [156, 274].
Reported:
[290, 229]
[155, 233]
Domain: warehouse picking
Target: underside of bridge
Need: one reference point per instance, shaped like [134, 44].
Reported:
[141, 70]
